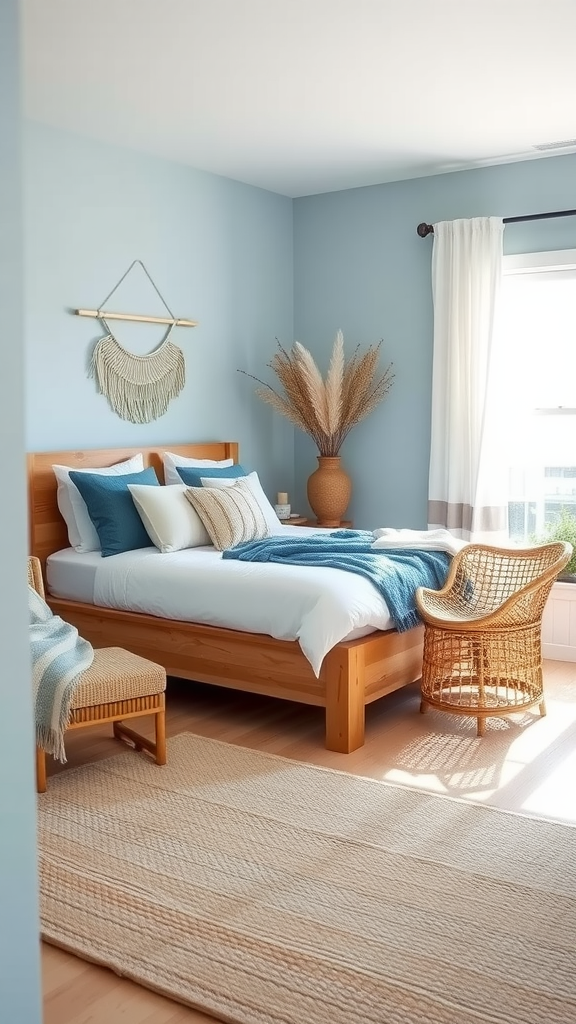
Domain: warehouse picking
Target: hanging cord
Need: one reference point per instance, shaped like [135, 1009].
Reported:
[125, 275]
[101, 316]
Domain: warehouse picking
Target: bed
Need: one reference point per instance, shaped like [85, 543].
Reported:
[353, 673]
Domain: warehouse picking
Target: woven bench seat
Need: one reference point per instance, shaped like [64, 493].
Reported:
[119, 675]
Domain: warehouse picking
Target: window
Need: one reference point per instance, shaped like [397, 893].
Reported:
[536, 342]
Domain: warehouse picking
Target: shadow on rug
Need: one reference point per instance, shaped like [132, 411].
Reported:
[265, 891]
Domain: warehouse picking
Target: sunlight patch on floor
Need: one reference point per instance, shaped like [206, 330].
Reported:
[462, 765]
[556, 796]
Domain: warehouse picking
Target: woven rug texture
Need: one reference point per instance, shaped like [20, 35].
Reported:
[266, 891]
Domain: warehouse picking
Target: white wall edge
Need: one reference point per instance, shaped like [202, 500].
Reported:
[559, 624]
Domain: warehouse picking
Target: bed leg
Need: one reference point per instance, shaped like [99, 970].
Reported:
[344, 699]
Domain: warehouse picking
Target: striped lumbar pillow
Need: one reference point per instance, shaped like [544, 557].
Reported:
[230, 514]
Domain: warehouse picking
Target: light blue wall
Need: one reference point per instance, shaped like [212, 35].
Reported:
[220, 253]
[19, 952]
[360, 266]
[251, 266]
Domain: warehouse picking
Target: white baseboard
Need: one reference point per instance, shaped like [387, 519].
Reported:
[558, 652]
[559, 623]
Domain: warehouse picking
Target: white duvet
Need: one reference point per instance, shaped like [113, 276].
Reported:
[316, 606]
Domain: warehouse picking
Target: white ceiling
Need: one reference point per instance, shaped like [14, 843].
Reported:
[307, 96]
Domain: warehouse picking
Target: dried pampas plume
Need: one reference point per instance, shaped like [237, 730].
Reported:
[326, 409]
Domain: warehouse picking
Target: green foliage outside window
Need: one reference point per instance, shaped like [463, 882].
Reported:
[563, 528]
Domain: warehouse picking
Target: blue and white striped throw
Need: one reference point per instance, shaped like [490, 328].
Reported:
[59, 656]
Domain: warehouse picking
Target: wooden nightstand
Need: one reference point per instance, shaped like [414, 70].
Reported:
[302, 521]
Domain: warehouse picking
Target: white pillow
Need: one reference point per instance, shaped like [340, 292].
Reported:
[170, 520]
[253, 481]
[170, 461]
[81, 531]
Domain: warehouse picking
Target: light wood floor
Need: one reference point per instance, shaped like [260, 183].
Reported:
[524, 764]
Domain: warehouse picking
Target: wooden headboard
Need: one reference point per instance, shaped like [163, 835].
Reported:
[47, 529]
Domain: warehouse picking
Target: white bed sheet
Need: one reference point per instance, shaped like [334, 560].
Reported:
[319, 607]
[71, 574]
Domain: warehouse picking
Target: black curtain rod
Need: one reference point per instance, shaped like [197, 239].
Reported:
[428, 229]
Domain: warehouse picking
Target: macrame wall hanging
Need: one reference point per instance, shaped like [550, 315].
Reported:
[139, 388]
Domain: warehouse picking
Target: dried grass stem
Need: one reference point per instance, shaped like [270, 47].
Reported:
[325, 409]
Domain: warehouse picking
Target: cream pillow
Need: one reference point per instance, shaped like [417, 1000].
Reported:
[170, 461]
[81, 530]
[253, 481]
[230, 514]
[169, 519]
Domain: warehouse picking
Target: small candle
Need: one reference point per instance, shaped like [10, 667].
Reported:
[282, 497]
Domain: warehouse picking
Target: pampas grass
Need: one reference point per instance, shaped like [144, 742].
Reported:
[326, 409]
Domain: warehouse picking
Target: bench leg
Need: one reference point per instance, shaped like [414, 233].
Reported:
[160, 729]
[156, 747]
[40, 770]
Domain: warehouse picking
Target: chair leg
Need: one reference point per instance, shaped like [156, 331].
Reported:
[542, 708]
[481, 725]
[40, 770]
[423, 707]
[160, 729]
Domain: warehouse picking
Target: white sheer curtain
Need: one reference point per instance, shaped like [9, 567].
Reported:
[468, 483]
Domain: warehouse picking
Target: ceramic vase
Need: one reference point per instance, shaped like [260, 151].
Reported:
[329, 489]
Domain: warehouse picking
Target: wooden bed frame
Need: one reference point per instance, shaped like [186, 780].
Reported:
[353, 673]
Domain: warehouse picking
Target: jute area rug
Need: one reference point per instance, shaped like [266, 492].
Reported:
[265, 891]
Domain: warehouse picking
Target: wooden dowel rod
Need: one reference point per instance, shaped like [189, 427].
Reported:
[136, 316]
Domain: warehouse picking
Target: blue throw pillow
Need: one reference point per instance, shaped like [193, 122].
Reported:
[112, 510]
[192, 475]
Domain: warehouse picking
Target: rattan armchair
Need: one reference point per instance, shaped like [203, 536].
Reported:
[482, 635]
[117, 686]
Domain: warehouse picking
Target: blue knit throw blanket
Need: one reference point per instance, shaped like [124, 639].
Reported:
[396, 574]
[59, 656]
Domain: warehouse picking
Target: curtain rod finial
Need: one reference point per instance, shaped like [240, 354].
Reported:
[425, 229]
